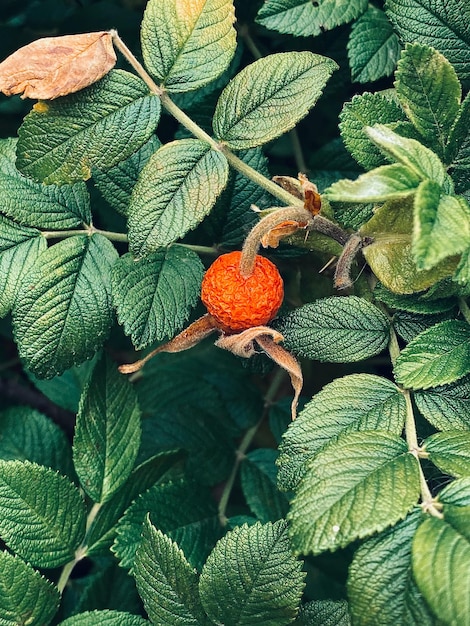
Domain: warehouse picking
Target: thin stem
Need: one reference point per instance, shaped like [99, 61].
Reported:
[139, 68]
[245, 444]
[63, 234]
[464, 309]
[65, 575]
[208, 250]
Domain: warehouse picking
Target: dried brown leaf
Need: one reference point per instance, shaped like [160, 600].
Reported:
[56, 66]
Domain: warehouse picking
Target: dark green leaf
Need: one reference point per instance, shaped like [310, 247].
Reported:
[409, 325]
[258, 476]
[457, 493]
[446, 407]
[166, 581]
[459, 145]
[252, 577]
[42, 515]
[450, 451]
[186, 46]
[63, 311]
[176, 190]
[107, 432]
[373, 47]
[429, 91]
[435, 357]
[359, 484]
[291, 82]
[105, 618]
[154, 295]
[61, 140]
[324, 613]
[337, 329]
[36, 204]
[355, 402]
[415, 303]
[26, 597]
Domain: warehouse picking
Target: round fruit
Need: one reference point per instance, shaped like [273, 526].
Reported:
[238, 303]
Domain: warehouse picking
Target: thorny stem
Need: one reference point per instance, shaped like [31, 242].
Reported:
[245, 444]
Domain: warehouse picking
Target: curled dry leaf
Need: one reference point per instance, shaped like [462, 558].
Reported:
[56, 66]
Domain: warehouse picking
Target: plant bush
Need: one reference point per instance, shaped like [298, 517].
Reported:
[184, 493]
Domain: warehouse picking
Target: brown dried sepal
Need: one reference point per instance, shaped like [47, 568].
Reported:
[285, 229]
[243, 344]
[302, 188]
[56, 66]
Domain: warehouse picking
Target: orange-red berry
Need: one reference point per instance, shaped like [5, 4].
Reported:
[238, 303]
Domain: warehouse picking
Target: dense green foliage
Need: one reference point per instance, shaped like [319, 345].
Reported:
[183, 494]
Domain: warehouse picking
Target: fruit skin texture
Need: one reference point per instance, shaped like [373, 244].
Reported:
[238, 303]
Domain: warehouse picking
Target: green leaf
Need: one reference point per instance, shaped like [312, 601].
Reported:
[373, 47]
[154, 470]
[355, 402]
[23, 433]
[429, 91]
[186, 46]
[409, 325]
[359, 484]
[105, 618]
[324, 613]
[440, 566]
[35, 204]
[166, 581]
[381, 589]
[116, 184]
[304, 19]
[389, 182]
[20, 248]
[177, 188]
[252, 577]
[458, 149]
[63, 310]
[446, 407]
[42, 515]
[336, 329]
[436, 356]
[390, 256]
[442, 24]
[456, 493]
[441, 225]
[462, 273]
[61, 140]
[414, 303]
[365, 110]
[107, 432]
[154, 295]
[288, 82]
[258, 476]
[450, 452]
[26, 597]
[409, 152]
[182, 509]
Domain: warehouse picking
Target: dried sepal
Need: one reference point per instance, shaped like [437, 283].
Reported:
[289, 227]
[302, 188]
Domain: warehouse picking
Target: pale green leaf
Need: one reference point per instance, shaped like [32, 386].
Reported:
[388, 182]
[154, 295]
[462, 273]
[458, 149]
[409, 152]
[442, 24]
[437, 356]
[105, 618]
[35, 204]
[177, 188]
[359, 484]
[450, 451]
[373, 47]
[61, 140]
[19, 249]
[324, 613]
[362, 111]
[381, 589]
[63, 312]
[26, 597]
[429, 91]
[188, 44]
[336, 329]
[252, 577]
[456, 493]
[258, 475]
[107, 432]
[355, 402]
[446, 407]
[389, 255]
[42, 515]
[441, 225]
[304, 19]
[288, 83]
[23, 433]
[116, 184]
[167, 583]
[440, 560]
